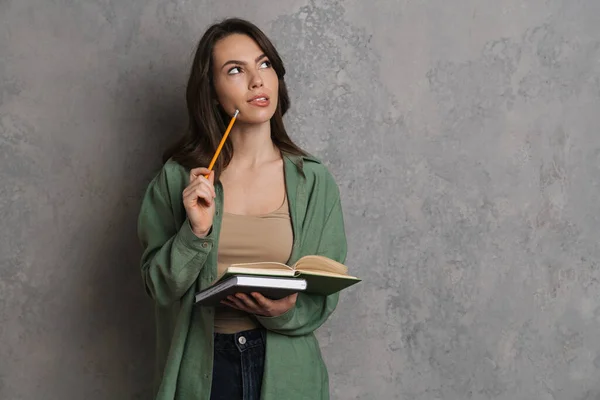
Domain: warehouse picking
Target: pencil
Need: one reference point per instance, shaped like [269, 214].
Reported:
[214, 159]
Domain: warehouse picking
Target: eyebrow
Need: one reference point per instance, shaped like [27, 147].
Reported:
[243, 62]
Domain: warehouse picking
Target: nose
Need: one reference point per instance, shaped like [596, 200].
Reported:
[256, 80]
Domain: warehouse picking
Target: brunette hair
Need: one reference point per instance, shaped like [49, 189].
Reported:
[207, 119]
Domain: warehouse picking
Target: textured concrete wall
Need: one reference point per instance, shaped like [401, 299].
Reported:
[464, 135]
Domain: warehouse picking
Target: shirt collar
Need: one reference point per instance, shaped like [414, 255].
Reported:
[299, 160]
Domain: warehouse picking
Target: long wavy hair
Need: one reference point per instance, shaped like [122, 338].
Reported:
[207, 119]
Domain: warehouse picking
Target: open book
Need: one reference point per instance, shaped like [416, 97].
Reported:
[323, 275]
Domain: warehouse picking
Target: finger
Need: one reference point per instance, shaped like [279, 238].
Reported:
[229, 304]
[211, 177]
[192, 188]
[202, 193]
[202, 181]
[291, 299]
[194, 199]
[262, 301]
[196, 172]
[238, 303]
[248, 301]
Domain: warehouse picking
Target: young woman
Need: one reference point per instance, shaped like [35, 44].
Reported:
[266, 200]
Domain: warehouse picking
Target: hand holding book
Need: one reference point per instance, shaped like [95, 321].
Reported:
[257, 304]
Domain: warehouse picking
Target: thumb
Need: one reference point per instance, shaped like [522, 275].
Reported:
[211, 177]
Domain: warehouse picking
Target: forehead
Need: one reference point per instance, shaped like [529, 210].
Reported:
[236, 47]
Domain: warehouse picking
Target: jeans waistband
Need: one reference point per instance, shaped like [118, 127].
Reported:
[241, 340]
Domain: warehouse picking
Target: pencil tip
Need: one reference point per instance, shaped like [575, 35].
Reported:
[236, 113]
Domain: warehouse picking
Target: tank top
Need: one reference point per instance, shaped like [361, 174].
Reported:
[251, 238]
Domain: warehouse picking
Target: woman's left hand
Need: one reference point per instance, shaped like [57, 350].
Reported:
[258, 304]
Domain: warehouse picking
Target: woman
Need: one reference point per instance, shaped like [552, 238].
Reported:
[266, 200]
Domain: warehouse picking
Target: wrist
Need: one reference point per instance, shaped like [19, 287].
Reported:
[201, 233]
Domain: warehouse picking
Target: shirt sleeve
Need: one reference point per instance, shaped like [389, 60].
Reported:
[173, 256]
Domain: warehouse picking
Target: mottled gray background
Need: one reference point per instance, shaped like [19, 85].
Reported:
[464, 136]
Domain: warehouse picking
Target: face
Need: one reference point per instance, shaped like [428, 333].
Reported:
[244, 79]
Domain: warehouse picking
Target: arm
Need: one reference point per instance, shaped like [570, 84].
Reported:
[311, 311]
[172, 256]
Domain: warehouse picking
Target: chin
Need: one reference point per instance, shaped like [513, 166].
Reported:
[254, 116]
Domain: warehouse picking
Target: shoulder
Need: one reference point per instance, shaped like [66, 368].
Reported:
[314, 167]
[175, 172]
[171, 179]
[318, 177]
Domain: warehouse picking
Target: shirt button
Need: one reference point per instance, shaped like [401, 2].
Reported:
[242, 340]
[205, 245]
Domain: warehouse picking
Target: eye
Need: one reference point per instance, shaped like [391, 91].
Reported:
[265, 64]
[234, 70]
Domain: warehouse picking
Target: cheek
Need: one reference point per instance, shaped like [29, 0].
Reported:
[222, 93]
[274, 86]
[228, 91]
[274, 82]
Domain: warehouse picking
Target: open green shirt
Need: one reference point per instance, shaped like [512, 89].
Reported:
[176, 264]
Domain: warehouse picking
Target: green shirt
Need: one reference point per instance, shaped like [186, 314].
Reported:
[176, 264]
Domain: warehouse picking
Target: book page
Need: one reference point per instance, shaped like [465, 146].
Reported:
[261, 268]
[320, 264]
[313, 272]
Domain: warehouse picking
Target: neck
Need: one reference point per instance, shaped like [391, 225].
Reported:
[252, 145]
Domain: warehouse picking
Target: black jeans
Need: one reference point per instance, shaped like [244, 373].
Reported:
[238, 365]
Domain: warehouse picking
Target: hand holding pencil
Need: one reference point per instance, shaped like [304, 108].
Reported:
[199, 201]
[199, 195]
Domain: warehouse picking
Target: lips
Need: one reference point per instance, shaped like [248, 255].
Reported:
[261, 100]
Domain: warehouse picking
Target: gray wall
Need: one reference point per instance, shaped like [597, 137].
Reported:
[464, 136]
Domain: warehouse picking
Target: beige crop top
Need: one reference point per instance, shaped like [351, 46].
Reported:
[249, 238]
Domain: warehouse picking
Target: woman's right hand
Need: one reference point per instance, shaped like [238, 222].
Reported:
[199, 201]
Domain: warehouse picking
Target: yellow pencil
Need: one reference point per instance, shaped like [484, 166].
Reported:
[212, 163]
